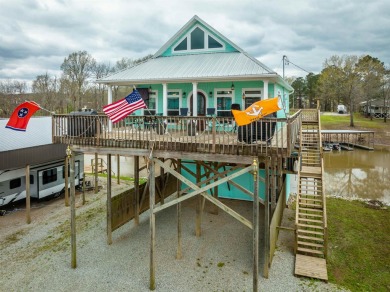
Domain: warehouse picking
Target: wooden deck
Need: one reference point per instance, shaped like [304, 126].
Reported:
[311, 267]
[203, 135]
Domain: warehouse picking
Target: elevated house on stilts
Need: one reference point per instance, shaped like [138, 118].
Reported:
[190, 87]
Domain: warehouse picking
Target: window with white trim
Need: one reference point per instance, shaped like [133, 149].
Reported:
[251, 95]
[173, 102]
[198, 39]
[224, 102]
[151, 103]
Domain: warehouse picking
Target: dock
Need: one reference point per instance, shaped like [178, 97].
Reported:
[352, 138]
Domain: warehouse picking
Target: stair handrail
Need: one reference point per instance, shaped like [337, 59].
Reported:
[297, 203]
[324, 217]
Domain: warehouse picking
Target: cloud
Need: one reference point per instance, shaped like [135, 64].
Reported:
[36, 35]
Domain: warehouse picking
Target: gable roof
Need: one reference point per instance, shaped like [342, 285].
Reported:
[191, 23]
[229, 65]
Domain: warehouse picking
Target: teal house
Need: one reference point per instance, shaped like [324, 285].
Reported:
[200, 72]
[190, 86]
[200, 69]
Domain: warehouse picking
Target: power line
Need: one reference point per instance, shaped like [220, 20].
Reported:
[287, 62]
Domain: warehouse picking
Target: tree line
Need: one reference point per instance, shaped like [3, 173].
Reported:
[73, 90]
[346, 80]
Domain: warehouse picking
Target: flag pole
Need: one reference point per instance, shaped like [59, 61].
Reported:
[40, 107]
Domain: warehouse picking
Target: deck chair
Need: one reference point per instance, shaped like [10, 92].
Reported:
[210, 111]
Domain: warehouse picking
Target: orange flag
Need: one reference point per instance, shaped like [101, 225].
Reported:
[256, 111]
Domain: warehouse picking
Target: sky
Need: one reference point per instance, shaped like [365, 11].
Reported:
[37, 35]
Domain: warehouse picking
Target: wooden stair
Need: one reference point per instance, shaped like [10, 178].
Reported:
[310, 222]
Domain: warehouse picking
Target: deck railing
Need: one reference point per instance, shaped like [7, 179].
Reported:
[175, 133]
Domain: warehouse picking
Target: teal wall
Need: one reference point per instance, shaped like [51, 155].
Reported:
[245, 180]
[210, 86]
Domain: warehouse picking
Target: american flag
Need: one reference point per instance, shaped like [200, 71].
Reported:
[122, 108]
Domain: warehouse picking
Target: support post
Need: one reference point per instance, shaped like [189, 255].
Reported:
[255, 225]
[198, 230]
[215, 193]
[194, 99]
[28, 205]
[109, 101]
[73, 211]
[118, 169]
[136, 190]
[273, 185]
[109, 214]
[266, 219]
[83, 194]
[162, 182]
[165, 99]
[265, 90]
[66, 181]
[179, 254]
[152, 190]
[96, 174]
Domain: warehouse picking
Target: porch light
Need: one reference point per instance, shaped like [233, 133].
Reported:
[243, 95]
[184, 94]
[232, 87]
[210, 93]
[150, 89]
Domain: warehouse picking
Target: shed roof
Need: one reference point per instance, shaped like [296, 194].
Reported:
[38, 132]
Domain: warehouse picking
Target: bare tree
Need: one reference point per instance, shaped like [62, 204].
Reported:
[371, 72]
[78, 68]
[11, 94]
[99, 70]
[340, 81]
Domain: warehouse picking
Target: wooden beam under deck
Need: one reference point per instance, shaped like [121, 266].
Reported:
[165, 154]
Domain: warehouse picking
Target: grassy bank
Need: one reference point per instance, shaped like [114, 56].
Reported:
[341, 122]
[359, 238]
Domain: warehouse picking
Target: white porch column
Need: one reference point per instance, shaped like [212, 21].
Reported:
[194, 99]
[165, 99]
[109, 101]
[265, 90]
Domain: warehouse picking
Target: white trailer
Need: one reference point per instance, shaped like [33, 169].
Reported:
[45, 180]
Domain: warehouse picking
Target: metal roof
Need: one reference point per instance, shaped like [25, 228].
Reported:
[38, 132]
[32, 155]
[195, 67]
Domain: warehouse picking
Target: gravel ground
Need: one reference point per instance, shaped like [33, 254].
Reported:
[36, 257]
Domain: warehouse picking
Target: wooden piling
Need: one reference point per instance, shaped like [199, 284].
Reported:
[109, 212]
[152, 190]
[118, 169]
[66, 181]
[73, 211]
[255, 226]
[96, 174]
[136, 190]
[198, 219]
[28, 205]
[215, 193]
[179, 254]
[266, 217]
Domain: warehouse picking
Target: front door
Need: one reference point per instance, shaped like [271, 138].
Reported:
[201, 104]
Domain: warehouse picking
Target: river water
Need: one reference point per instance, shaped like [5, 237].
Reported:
[358, 174]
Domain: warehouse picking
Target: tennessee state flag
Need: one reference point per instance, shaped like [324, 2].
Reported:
[21, 115]
[256, 111]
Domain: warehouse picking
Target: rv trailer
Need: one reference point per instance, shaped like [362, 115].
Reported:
[45, 180]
